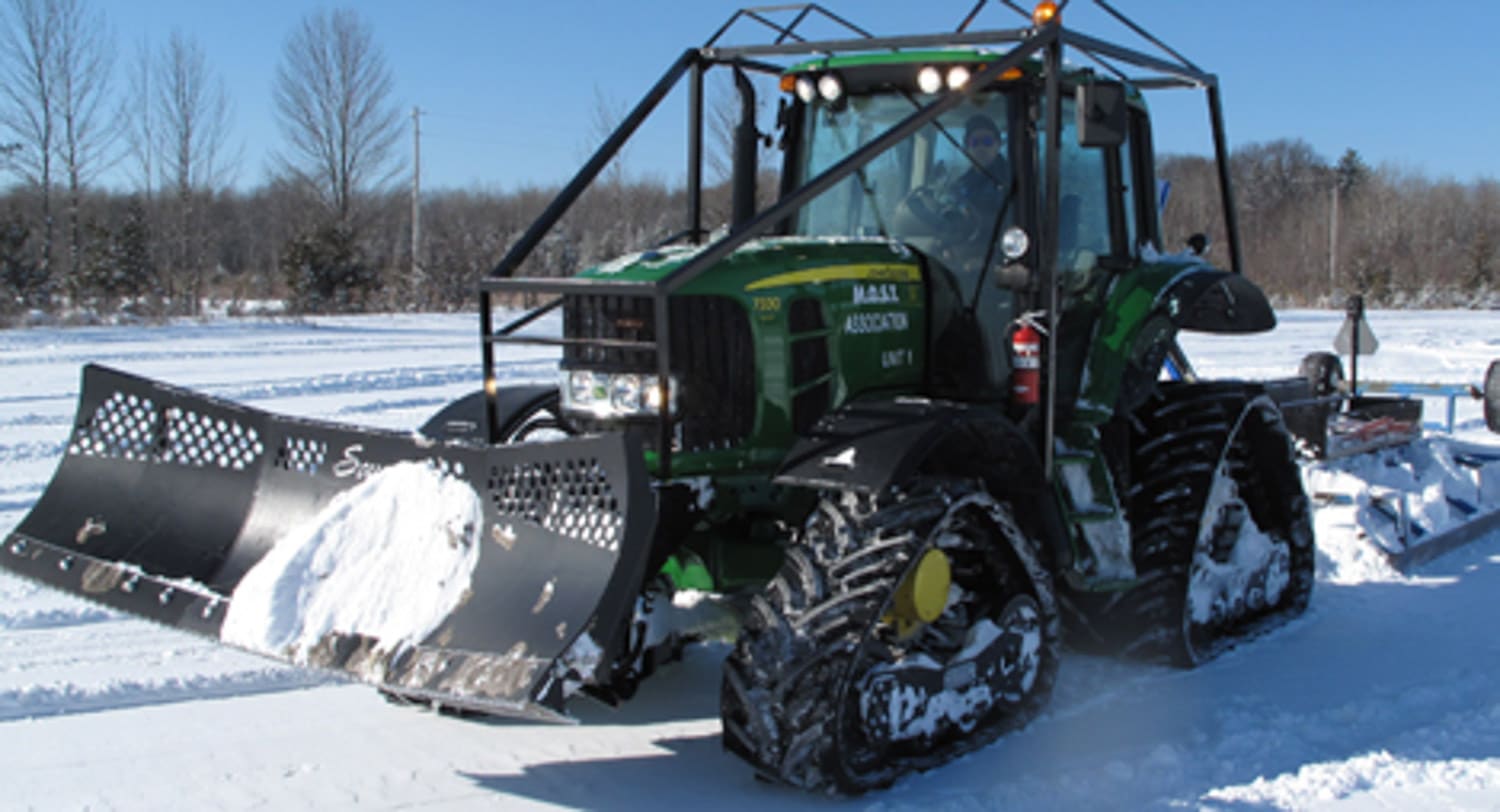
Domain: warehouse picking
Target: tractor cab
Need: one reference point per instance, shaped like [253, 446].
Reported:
[965, 189]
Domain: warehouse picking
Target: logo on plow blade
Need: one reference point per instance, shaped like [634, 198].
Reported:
[352, 466]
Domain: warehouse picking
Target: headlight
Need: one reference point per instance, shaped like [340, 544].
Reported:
[579, 387]
[613, 395]
[830, 87]
[807, 89]
[929, 80]
[625, 393]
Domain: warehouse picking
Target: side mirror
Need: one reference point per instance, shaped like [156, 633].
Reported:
[1101, 114]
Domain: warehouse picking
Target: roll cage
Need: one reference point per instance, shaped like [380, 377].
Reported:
[1049, 41]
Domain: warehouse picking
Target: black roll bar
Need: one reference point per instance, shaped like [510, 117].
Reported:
[1050, 40]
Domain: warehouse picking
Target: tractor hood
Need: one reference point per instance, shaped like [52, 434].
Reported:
[773, 263]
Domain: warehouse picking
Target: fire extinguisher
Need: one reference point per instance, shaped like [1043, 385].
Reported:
[1025, 365]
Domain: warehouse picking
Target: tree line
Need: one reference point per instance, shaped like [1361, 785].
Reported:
[1315, 231]
[329, 231]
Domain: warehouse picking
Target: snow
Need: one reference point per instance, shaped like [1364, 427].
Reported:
[388, 559]
[1215, 585]
[1383, 695]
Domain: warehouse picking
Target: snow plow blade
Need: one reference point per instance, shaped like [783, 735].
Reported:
[169, 504]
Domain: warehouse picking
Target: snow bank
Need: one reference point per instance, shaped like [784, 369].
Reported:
[389, 559]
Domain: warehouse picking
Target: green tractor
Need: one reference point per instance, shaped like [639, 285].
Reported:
[907, 427]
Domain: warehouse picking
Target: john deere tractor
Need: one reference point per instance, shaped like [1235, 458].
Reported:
[910, 426]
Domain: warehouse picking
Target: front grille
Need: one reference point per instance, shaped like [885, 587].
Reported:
[713, 359]
[626, 318]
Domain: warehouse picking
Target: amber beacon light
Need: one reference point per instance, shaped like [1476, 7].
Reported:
[1045, 12]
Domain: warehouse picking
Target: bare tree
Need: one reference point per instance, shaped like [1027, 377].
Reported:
[333, 100]
[193, 123]
[140, 119]
[84, 55]
[28, 85]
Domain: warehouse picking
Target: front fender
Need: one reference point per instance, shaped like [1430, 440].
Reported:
[867, 445]
[870, 445]
[464, 419]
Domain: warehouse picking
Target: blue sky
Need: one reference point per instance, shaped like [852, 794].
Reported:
[509, 88]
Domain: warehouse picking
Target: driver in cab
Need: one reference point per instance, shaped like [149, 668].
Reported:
[981, 186]
[959, 212]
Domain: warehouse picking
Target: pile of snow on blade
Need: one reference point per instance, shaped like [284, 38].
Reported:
[388, 559]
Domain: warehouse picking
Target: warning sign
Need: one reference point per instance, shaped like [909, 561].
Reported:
[1344, 343]
[1354, 327]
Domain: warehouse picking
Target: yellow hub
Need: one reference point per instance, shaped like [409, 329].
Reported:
[923, 596]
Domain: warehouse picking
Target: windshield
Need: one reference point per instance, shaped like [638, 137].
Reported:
[946, 190]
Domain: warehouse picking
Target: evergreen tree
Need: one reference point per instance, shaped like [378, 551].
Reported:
[92, 282]
[135, 273]
[326, 272]
[23, 280]
[1351, 172]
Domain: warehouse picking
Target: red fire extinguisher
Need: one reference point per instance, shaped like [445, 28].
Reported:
[1026, 365]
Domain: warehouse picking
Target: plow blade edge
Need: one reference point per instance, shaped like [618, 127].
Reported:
[168, 504]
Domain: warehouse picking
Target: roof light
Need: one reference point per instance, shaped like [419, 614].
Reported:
[807, 89]
[830, 88]
[958, 76]
[1045, 12]
[929, 80]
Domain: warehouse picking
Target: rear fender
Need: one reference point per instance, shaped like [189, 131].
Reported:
[1130, 335]
[868, 446]
[1208, 300]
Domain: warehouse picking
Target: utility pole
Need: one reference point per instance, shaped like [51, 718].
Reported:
[1333, 241]
[416, 193]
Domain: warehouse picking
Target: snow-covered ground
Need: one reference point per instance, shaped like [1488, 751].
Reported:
[1386, 694]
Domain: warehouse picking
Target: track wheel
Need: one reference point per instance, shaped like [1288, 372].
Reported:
[1221, 525]
[902, 631]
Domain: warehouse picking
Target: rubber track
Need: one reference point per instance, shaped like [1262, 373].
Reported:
[1179, 436]
[794, 663]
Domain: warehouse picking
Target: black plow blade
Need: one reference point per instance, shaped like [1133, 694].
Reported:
[476, 577]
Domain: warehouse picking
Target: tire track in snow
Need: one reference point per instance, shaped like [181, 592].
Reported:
[18, 500]
[46, 700]
[396, 379]
[32, 619]
[89, 353]
[32, 420]
[75, 668]
[29, 451]
[386, 380]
